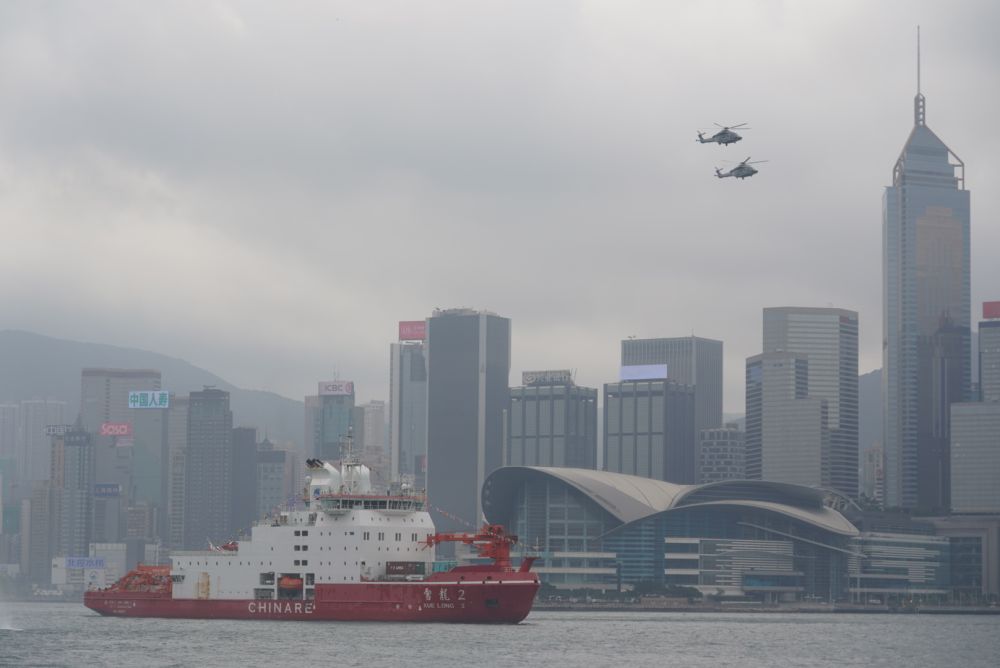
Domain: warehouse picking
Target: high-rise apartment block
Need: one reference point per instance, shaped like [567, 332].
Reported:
[649, 429]
[208, 469]
[828, 340]
[690, 360]
[926, 313]
[722, 454]
[551, 421]
[468, 356]
[408, 403]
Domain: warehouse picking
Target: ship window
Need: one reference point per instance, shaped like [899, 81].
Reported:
[305, 532]
[177, 578]
[297, 532]
[310, 578]
[267, 578]
[263, 594]
[297, 548]
[399, 536]
[305, 562]
[296, 562]
[305, 547]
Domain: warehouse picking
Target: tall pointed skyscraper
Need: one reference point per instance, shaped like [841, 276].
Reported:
[926, 337]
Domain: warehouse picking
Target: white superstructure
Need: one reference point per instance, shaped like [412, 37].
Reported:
[347, 533]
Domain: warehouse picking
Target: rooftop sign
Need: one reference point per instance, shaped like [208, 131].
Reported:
[412, 330]
[643, 372]
[550, 377]
[149, 399]
[335, 387]
[991, 310]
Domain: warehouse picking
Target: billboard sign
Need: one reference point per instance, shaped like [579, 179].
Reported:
[643, 372]
[116, 429]
[412, 330]
[991, 310]
[335, 387]
[550, 377]
[57, 429]
[149, 399]
[84, 562]
[107, 490]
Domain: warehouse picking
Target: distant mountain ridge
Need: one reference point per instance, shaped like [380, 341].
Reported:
[33, 366]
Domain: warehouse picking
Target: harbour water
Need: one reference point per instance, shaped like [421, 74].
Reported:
[59, 634]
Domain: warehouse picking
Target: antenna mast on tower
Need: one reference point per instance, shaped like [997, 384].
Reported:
[919, 103]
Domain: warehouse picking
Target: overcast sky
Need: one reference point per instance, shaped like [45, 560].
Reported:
[264, 189]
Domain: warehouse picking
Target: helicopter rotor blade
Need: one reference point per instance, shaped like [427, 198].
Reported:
[756, 162]
[733, 127]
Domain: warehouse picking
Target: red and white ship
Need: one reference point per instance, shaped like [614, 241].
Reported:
[351, 555]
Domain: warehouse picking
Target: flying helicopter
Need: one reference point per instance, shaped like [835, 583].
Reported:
[740, 171]
[725, 136]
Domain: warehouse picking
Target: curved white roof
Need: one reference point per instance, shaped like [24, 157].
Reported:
[631, 498]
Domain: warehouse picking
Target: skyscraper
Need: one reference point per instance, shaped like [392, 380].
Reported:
[722, 454]
[408, 406]
[136, 460]
[207, 470]
[551, 421]
[243, 485]
[989, 352]
[72, 493]
[786, 430]
[334, 417]
[926, 313]
[35, 416]
[468, 356]
[649, 429]
[828, 337]
[690, 360]
[975, 429]
[271, 473]
[177, 433]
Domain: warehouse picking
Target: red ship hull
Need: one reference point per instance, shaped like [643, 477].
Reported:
[500, 599]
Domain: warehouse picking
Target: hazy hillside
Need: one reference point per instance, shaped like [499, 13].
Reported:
[34, 367]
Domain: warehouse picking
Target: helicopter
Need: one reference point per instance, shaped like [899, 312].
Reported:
[725, 136]
[740, 171]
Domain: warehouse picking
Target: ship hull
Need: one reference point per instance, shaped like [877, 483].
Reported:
[505, 601]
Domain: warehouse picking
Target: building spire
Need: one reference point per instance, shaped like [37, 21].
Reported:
[919, 103]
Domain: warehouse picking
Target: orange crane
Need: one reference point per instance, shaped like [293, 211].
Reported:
[492, 541]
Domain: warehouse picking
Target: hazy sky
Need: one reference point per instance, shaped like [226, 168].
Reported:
[264, 189]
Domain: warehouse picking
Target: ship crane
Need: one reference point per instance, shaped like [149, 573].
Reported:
[492, 542]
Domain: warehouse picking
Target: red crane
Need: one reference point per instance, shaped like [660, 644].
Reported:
[492, 541]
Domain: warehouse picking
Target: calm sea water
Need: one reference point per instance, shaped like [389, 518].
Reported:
[51, 634]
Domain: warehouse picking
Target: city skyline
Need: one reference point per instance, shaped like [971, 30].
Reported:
[584, 149]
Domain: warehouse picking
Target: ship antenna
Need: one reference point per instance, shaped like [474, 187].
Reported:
[919, 102]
